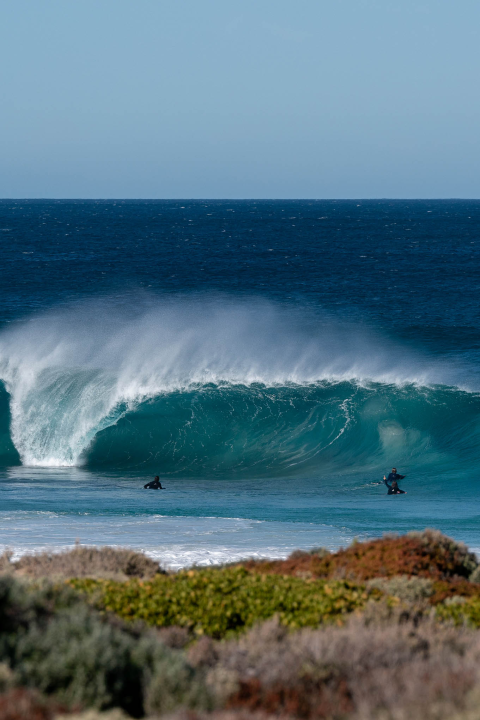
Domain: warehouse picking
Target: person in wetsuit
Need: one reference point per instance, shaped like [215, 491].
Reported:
[393, 489]
[392, 483]
[155, 484]
[393, 476]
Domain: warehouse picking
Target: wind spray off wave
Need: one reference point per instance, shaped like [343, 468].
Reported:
[210, 385]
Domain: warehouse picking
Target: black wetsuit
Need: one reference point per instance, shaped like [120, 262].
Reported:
[154, 485]
[395, 490]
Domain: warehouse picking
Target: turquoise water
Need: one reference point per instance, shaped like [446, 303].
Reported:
[214, 520]
[271, 377]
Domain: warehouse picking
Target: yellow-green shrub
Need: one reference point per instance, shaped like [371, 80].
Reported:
[460, 611]
[219, 602]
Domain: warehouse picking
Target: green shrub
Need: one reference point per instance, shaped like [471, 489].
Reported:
[408, 589]
[7, 678]
[460, 611]
[82, 661]
[221, 602]
[173, 683]
[22, 604]
[56, 643]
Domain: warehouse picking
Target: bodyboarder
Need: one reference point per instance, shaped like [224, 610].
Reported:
[155, 484]
[393, 489]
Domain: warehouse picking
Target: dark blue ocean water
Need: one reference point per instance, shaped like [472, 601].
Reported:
[271, 360]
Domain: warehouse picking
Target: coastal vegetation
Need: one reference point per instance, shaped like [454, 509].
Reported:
[386, 629]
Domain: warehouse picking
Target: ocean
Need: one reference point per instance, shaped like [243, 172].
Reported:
[270, 360]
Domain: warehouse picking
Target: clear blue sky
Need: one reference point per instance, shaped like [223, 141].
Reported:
[240, 98]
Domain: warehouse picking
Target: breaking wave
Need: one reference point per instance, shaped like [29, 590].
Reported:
[201, 385]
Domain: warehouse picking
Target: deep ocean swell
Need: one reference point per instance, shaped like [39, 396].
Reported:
[221, 388]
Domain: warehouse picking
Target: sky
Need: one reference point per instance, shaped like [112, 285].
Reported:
[239, 99]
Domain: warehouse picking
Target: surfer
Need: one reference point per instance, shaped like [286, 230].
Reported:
[393, 489]
[392, 483]
[392, 476]
[155, 484]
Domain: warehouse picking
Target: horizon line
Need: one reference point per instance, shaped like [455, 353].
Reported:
[242, 199]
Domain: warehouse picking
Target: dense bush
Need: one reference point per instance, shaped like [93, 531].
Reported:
[173, 683]
[409, 589]
[55, 643]
[443, 589]
[460, 611]
[7, 678]
[106, 562]
[22, 604]
[83, 661]
[389, 672]
[426, 554]
[219, 602]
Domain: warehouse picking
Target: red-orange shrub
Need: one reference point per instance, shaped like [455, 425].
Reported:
[429, 554]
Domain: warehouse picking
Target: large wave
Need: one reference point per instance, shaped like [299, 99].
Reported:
[210, 385]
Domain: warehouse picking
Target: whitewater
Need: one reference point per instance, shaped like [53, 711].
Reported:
[271, 414]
